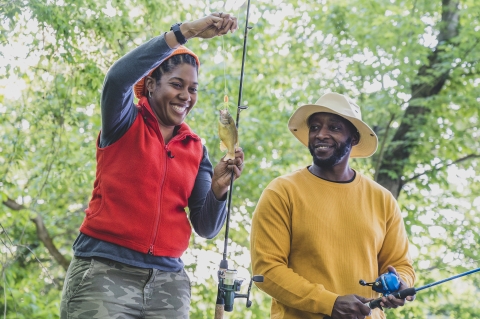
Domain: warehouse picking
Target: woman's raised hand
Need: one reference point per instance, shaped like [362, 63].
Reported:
[215, 24]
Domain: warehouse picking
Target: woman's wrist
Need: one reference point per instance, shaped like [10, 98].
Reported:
[185, 29]
[171, 40]
[218, 191]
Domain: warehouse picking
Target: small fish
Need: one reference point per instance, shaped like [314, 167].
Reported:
[228, 134]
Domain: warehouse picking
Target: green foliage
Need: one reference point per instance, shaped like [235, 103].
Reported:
[54, 55]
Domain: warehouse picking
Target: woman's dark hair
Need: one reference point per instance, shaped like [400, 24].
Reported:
[171, 63]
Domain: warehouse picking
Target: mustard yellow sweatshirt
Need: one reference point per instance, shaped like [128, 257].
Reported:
[313, 240]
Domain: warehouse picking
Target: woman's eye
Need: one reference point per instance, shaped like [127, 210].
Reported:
[193, 90]
[177, 85]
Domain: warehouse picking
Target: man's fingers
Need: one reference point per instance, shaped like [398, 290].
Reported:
[363, 299]
[392, 269]
[392, 302]
[365, 312]
[363, 307]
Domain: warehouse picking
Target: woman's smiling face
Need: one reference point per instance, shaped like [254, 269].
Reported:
[174, 95]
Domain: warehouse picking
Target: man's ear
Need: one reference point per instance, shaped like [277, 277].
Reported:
[355, 138]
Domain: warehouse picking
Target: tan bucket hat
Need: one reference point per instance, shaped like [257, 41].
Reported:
[343, 106]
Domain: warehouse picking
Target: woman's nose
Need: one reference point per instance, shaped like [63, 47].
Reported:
[185, 95]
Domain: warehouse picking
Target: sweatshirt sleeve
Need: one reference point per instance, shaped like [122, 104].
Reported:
[117, 106]
[270, 249]
[395, 250]
[207, 213]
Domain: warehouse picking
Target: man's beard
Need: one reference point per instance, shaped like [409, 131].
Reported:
[336, 157]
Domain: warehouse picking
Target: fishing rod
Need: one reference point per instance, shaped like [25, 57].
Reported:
[228, 284]
[389, 283]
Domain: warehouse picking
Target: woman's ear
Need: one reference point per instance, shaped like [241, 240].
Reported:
[150, 84]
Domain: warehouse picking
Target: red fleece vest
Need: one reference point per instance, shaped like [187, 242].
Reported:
[142, 187]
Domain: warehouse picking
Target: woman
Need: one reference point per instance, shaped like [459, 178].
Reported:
[150, 166]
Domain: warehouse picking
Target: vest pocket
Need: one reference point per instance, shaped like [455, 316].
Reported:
[96, 203]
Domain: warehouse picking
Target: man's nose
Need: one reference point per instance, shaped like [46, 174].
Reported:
[322, 133]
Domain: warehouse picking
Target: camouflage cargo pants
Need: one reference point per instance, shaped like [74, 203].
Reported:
[102, 288]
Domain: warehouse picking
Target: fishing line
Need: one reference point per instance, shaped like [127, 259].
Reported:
[225, 96]
[238, 13]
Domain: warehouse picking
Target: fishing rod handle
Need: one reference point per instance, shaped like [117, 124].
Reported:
[219, 311]
[402, 294]
[374, 304]
[399, 295]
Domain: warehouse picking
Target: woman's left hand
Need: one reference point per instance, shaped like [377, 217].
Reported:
[222, 173]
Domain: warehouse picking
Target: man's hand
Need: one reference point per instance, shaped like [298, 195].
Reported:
[215, 24]
[350, 307]
[392, 302]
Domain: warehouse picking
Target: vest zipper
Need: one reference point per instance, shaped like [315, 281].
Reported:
[157, 219]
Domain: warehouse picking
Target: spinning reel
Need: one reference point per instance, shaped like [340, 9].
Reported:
[390, 284]
[386, 284]
[228, 287]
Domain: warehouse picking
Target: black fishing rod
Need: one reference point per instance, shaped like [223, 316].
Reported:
[228, 284]
[402, 294]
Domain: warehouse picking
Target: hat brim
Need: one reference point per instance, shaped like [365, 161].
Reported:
[299, 127]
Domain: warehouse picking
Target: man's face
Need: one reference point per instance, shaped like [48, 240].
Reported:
[330, 139]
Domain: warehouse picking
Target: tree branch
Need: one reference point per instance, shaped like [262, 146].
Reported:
[42, 233]
[441, 165]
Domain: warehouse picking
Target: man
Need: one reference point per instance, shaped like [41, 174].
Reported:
[319, 230]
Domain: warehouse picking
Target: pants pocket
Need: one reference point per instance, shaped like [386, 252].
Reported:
[77, 272]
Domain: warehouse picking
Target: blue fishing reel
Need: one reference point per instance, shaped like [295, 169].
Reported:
[386, 284]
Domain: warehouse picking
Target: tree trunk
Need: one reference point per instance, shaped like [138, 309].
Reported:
[430, 80]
